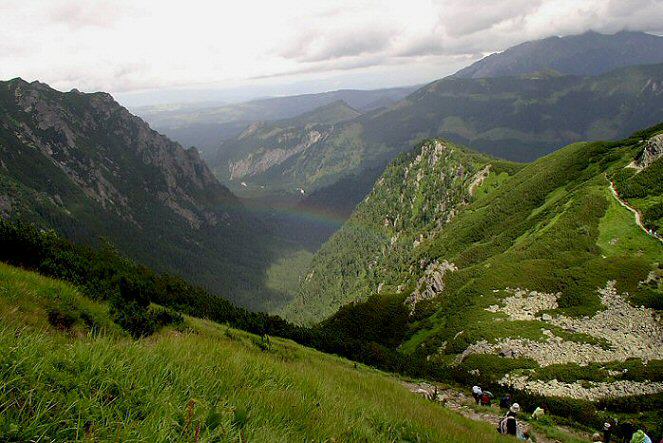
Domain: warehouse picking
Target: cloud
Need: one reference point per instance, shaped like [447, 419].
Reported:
[313, 47]
[126, 45]
[76, 14]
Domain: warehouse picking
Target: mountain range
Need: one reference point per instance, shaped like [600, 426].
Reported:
[518, 118]
[471, 231]
[519, 104]
[205, 126]
[518, 273]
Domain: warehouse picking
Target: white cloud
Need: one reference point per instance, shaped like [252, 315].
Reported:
[126, 45]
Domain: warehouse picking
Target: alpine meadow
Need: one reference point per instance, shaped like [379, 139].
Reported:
[331, 221]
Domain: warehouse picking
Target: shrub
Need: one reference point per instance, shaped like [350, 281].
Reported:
[60, 319]
[165, 317]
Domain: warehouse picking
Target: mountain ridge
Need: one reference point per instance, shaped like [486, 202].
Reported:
[590, 53]
[514, 118]
[532, 277]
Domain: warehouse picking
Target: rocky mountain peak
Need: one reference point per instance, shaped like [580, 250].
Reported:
[110, 153]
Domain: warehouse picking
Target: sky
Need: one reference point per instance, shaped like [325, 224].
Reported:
[159, 51]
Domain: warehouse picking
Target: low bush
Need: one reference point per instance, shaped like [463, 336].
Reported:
[60, 319]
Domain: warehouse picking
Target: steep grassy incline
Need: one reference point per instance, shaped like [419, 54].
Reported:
[531, 266]
[83, 379]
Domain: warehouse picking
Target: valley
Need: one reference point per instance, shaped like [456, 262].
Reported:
[350, 265]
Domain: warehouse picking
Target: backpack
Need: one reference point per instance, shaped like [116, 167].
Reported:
[502, 427]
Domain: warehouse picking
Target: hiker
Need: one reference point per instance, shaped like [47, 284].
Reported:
[607, 432]
[509, 425]
[640, 437]
[625, 431]
[505, 402]
[524, 435]
[485, 398]
[538, 413]
[476, 393]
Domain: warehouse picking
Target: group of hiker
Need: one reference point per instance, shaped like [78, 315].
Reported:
[624, 432]
[508, 425]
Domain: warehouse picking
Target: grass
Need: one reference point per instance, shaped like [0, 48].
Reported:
[619, 235]
[26, 298]
[208, 383]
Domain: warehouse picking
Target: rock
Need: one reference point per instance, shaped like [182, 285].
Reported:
[582, 390]
[524, 305]
[632, 332]
[430, 284]
[653, 151]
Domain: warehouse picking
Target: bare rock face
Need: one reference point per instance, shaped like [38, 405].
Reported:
[258, 162]
[110, 154]
[653, 151]
[431, 283]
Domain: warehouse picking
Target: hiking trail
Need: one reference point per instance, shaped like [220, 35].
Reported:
[465, 405]
[636, 213]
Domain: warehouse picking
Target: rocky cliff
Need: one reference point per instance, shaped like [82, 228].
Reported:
[84, 165]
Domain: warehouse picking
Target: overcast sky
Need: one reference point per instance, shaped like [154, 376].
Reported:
[128, 47]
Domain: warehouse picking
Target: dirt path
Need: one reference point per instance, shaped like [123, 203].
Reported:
[464, 404]
[636, 213]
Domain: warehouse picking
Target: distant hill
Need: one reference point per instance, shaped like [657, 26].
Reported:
[266, 144]
[590, 53]
[206, 126]
[334, 112]
[83, 165]
[516, 118]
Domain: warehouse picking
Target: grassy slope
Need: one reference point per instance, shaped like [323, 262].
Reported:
[550, 229]
[412, 197]
[203, 379]
[550, 226]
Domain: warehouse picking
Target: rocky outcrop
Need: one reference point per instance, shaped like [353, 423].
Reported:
[266, 157]
[5, 206]
[109, 154]
[430, 284]
[652, 151]
[479, 179]
[631, 332]
[586, 390]
[524, 305]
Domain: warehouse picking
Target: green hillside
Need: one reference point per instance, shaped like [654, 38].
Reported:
[516, 273]
[86, 380]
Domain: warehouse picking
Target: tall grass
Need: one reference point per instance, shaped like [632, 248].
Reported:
[210, 383]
